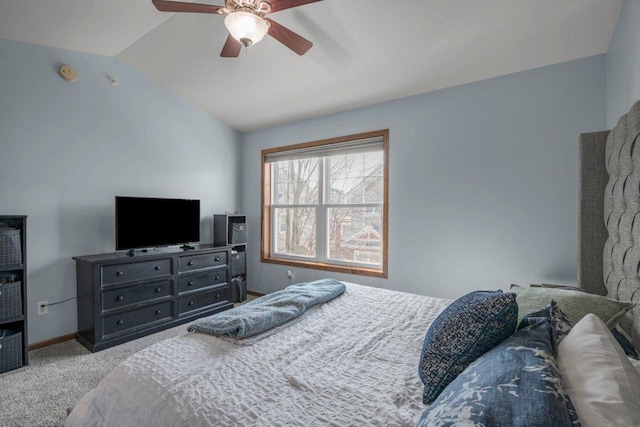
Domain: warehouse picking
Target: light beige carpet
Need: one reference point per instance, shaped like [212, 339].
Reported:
[59, 375]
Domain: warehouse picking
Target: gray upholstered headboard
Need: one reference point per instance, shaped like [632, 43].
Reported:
[609, 215]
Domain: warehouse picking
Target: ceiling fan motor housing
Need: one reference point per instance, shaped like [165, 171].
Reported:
[256, 7]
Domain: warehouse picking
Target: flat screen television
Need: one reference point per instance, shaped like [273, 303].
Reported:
[144, 222]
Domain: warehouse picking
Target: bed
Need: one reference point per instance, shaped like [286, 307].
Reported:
[354, 359]
[217, 382]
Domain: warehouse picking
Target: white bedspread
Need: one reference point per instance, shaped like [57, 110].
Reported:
[352, 361]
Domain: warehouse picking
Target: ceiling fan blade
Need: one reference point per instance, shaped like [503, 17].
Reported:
[231, 48]
[293, 41]
[177, 6]
[277, 5]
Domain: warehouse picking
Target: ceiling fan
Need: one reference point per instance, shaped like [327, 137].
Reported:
[247, 22]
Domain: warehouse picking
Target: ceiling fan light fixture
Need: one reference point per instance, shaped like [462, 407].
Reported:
[246, 27]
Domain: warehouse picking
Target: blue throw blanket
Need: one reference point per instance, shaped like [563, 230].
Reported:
[268, 311]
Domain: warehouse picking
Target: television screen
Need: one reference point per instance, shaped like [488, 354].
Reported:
[143, 222]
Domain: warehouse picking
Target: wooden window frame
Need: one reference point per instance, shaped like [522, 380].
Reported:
[266, 256]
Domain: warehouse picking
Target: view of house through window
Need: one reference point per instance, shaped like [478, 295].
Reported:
[324, 204]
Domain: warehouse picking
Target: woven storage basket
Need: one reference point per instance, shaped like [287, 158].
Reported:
[10, 247]
[238, 233]
[10, 300]
[238, 263]
[238, 289]
[10, 351]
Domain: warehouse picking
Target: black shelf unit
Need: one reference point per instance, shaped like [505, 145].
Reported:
[15, 323]
[230, 230]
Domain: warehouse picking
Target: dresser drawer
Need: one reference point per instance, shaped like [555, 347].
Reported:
[191, 283]
[131, 295]
[197, 262]
[121, 273]
[132, 319]
[189, 303]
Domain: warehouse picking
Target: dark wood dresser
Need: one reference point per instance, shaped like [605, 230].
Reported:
[123, 297]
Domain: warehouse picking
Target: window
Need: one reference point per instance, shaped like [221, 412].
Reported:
[325, 204]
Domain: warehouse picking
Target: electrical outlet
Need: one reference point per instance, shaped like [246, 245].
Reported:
[43, 308]
[291, 276]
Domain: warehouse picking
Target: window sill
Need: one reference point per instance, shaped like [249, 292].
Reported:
[360, 271]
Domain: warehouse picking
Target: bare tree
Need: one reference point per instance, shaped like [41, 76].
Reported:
[301, 179]
[352, 181]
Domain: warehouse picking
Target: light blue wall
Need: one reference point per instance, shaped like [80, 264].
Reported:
[66, 149]
[623, 63]
[483, 180]
[483, 176]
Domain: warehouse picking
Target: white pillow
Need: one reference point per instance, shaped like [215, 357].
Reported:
[601, 382]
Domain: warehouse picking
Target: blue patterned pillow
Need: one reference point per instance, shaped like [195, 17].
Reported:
[560, 323]
[516, 383]
[466, 329]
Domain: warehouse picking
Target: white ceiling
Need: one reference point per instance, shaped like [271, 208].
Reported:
[365, 51]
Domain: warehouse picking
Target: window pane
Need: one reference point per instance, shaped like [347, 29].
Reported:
[296, 182]
[355, 234]
[356, 178]
[295, 231]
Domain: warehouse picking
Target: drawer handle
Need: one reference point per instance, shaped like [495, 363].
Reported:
[217, 296]
[217, 277]
[157, 267]
[190, 303]
[119, 273]
[158, 290]
[217, 258]
[119, 322]
[190, 263]
[190, 284]
[119, 298]
[0, 346]
[158, 312]
[241, 227]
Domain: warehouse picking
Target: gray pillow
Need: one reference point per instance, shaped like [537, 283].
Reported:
[575, 304]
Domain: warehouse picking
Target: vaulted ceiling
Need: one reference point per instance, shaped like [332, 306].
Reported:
[365, 51]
